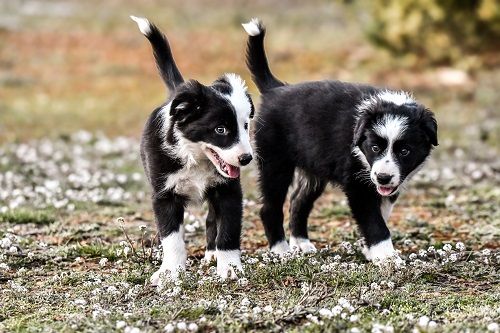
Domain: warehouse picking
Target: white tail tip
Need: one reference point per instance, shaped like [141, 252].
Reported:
[143, 23]
[253, 28]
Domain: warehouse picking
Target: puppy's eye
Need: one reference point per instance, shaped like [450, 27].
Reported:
[404, 152]
[221, 130]
[375, 148]
[246, 126]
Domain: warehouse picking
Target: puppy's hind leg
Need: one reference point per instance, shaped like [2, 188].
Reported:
[307, 190]
[275, 177]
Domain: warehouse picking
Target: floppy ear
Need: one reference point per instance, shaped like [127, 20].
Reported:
[429, 125]
[187, 101]
[359, 130]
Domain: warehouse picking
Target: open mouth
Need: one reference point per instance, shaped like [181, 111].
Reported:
[225, 169]
[386, 190]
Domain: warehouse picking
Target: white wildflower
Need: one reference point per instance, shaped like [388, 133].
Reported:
[460, 246]
[423, 321]
[192, 327]
[268, 308]
[169, 328]
[181, 326]
[103, 262]
[120, 324]
[447, 247]
[325, 313]
[493, 327]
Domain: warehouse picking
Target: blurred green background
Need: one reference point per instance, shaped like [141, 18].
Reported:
[70, 65]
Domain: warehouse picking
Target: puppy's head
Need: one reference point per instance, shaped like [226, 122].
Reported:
[393, 136]
[216, 119]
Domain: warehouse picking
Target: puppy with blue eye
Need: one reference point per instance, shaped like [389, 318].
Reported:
[192, 149]
[367, 140]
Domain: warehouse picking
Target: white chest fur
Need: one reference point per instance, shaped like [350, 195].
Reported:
[193, 179]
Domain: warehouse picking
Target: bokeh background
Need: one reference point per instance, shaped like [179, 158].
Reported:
[71, 65]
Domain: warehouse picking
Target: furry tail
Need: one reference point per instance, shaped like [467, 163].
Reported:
[162, 53]
[256, 57]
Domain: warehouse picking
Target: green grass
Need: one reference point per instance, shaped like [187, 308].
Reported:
[24, 216]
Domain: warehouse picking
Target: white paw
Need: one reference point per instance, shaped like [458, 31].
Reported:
[209, 256]
[302, 244]
[280, 248]
[229, 263]
[380, 252]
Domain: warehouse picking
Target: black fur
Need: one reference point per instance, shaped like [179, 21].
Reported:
[192, 112]
[313, 127]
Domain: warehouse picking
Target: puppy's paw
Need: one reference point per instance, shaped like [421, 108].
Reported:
[229, 264]
[381, 252]
[302, 244]
[280, 248]
[209, 256]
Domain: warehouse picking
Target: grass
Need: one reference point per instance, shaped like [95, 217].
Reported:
[82, 65]
[24, 216]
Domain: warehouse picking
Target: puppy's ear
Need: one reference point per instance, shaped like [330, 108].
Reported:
[429, 125]
[188, 100]
[359, 130]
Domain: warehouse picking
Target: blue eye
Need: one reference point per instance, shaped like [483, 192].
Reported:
[375, 148]
[221, 130]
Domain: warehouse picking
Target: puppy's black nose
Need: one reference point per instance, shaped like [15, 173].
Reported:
[245, 159]
[384, 178]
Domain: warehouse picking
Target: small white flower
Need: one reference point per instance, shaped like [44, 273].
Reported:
[447, 247]
[169, 328]
[353, 318]
[325, 313]
[103, 262]
[256, 310]
[79, 301]
[423, 321]
[192, 327]
[493, 327]
[181, 326]
[4, 266]
[486, 252]
[460, 246]
[268, 308]
[120, 324]
[245, 302]
[336, 310]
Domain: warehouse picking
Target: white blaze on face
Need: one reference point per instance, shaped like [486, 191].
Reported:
[390, 127]
[243, 108]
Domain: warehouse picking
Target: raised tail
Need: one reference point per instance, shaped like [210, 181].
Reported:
[256, 57]
[162, 53]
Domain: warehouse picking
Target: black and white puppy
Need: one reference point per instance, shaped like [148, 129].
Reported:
[192, 149]
[370, 141]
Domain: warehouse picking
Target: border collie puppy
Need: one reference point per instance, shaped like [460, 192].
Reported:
[192, 148]
[367, 140]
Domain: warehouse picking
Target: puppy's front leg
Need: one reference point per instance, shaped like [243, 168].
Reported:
[370, 211]
[226, 200]
[211, 234]
[169, 214]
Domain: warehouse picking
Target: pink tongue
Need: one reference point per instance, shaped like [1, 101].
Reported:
[233, 172]
[385, 190]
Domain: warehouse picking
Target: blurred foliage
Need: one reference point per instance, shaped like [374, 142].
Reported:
[436, 31]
